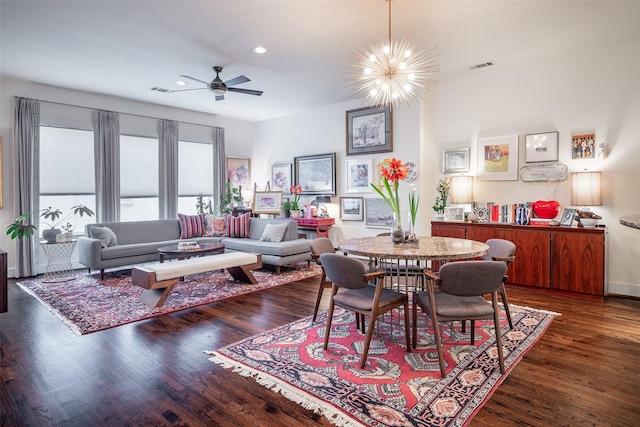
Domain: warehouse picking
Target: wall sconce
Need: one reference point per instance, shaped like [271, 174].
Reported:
[586, 189]
[461, 189]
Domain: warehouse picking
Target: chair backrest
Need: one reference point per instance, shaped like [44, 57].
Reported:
[499, 248]
[343, 271]
[321, 246]
[471, 278]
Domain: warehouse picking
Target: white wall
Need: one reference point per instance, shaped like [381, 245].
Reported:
[239, 135]
[595, 90]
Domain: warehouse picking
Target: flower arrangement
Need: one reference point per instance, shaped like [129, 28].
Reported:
[414, 202]
[443, 187]
[392, 174]
[296, 190]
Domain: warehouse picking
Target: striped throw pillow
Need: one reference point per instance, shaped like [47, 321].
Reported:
[192, 226]
[237, 226]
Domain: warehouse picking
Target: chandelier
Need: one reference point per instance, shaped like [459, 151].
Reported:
[388, 72]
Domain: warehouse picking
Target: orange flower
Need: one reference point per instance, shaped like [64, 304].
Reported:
[396, 171]
[392, 174]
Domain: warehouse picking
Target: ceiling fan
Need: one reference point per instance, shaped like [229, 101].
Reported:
[219, 88]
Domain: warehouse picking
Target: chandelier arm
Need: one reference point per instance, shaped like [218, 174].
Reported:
[389, 40]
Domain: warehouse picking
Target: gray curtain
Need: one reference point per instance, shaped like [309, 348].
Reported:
[219, 166]
[26, 140]
[106, 129]
[168, 135]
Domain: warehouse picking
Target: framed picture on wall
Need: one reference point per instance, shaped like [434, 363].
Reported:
[239, 171]
[351, 208]
[369, 130]
[281, 177]
[378, 213]
[316, 174]
[359, 176]
[267, 202]
[498, 158]
[541, 147]
[455, 160]
[583, 146]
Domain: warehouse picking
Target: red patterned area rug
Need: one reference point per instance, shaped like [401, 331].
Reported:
[396, 388]
[86, 304]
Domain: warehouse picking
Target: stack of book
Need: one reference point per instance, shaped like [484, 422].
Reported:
[505, 213]
[188, 246]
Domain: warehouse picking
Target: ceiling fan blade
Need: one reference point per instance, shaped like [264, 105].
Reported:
[245, 91]
[236, 81]
[219, 97]
[185, 90]
[193, 78]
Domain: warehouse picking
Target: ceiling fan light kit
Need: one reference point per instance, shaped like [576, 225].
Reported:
[219, 87]
[388, 72]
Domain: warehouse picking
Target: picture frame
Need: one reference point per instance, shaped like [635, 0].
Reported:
[369, 130]
[267, 202]
[281, 177]
[583, 146]
[378, 213]
[352, 208]
[316, 174]
[239, 171]
[359, 175]
[453, 214]
[541, 147]
[498, 158]
[567, 216]
[455, 160]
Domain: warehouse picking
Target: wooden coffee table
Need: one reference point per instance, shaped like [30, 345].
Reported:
[173, 251]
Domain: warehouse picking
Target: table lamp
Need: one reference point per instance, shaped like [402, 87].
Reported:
[586, 191]
[461, 189]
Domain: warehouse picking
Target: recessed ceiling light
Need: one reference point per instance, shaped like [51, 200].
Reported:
[181, 83]
[259, 49]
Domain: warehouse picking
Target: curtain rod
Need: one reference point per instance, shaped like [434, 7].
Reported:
[128, 114]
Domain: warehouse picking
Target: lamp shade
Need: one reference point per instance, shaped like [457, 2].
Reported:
[586, 189]
[461, 189]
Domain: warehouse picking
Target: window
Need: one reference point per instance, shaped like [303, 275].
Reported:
[139, 178]
[67, 175]
[195, 175]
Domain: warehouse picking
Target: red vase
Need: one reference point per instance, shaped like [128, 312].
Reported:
[547, 209]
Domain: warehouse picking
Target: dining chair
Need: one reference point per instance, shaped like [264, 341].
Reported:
[461, 288]
[318, 247]
[351, 290]
[502, 250]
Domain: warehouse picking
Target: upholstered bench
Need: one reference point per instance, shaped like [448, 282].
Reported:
[158, 280]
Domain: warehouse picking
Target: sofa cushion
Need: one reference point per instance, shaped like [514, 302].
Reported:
[284, 248]
[106, 235]
[191, 226]
[274, 232]
[237, 226]
[215, 225]
[257, 226]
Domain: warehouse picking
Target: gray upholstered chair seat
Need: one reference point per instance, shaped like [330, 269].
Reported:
[362, 299]
[451, 305]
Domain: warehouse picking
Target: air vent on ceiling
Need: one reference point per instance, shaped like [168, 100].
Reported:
[160, 89]
[482, 65]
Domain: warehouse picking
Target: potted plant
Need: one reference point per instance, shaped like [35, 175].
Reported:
[20, 227]
[296, 190]
[443, 187]
[286, 208]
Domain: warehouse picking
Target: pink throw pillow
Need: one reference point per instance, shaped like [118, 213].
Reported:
[237, 226]
[192, 226]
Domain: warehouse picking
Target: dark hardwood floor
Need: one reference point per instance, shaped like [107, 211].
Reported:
[583, 371]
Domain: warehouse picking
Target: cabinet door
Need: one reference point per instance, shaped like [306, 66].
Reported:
[533, 256]
[482, 234]
[578, 263]
[438, 230]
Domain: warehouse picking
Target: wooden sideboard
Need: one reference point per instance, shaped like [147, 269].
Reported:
[563, 260]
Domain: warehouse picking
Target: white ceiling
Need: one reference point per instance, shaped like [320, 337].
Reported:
[123, 48]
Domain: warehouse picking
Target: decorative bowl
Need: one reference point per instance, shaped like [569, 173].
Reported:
[589, 222]
[547, 209]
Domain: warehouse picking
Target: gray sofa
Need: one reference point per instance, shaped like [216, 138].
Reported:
[138, 242]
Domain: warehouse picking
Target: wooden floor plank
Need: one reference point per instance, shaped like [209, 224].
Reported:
[583, 371]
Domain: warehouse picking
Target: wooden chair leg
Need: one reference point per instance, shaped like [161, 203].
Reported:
[473, 332]
[496, 324]
[367, 341]
[436, 333]
[414, 322]
[321, 288]
[329, 318]
[505, 303]
[406, 325]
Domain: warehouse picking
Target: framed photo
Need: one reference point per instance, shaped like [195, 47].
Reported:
[351, 208]
[567, 217]
[267, 202]
[541, 147]
[359, 175]
[455, 161]
[583, 146]
[498, 158]
[281, 177]
[239, 171]
[453, 214]
[378, 213]
[369, 130]
[316, 174]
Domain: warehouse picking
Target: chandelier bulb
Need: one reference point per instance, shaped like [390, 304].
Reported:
[367, 71]
[386, 49]
[407, 53]
[403, 65]
[372, 58]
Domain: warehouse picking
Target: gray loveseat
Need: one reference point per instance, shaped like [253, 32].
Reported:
[138, 242]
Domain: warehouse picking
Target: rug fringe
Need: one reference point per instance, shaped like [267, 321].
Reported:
[294, 394]
[553, 313]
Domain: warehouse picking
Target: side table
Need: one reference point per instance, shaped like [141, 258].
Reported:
[318, 224]
[59, 268]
